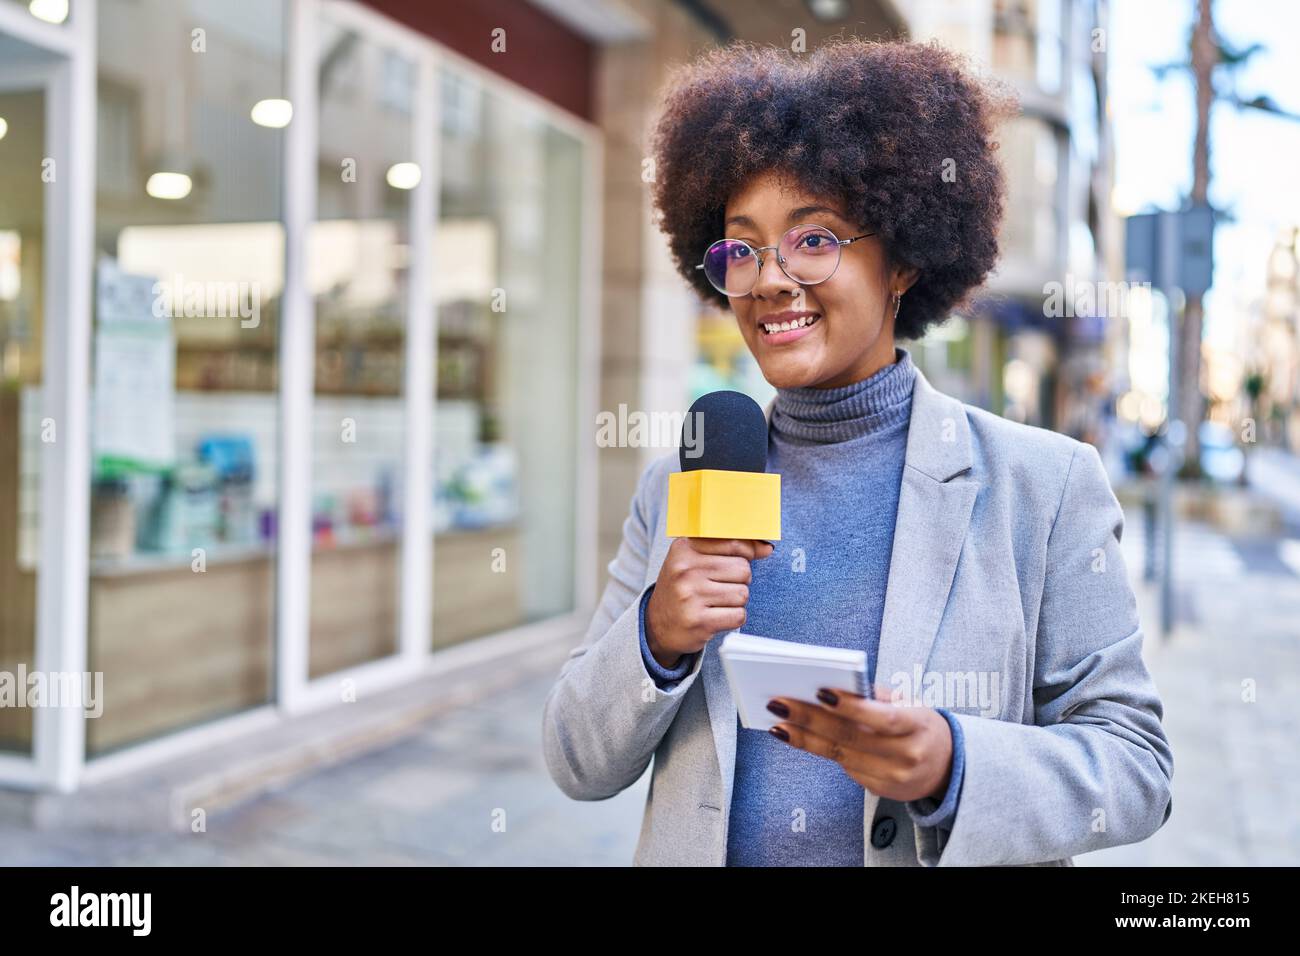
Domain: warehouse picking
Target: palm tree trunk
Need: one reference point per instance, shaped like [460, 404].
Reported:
[1189, 401]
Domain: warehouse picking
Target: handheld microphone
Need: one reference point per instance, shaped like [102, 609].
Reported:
[723, 489]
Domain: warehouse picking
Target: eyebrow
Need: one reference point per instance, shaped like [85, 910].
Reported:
[794, 216]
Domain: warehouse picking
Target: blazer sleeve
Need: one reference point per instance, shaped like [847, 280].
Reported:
[663, 676]
[606, 714]
[928, 812]
[1095, 768]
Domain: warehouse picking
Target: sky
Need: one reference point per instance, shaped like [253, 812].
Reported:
[1254, 156]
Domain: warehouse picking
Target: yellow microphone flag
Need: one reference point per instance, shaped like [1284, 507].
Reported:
[710, 503]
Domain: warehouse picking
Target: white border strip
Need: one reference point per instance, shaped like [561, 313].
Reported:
[416, 616]
[297, 362]
[586, 575]
[180, 744]
[62, 587]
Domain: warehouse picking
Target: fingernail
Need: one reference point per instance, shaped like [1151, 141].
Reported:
[778, 708]
[828, 697]
[779, 733]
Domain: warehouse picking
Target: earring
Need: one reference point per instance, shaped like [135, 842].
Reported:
[898, 303]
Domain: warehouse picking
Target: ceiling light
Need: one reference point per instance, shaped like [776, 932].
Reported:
[51, 11]
[272, 113]
[403, 175]
[168, 186]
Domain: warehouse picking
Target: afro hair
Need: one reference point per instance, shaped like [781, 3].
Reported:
[901, 133]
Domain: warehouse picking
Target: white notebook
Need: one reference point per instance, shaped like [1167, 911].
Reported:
[760, 668]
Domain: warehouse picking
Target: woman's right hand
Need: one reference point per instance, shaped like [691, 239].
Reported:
[702, 589]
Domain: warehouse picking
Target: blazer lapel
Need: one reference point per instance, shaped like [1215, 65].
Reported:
[934, 510]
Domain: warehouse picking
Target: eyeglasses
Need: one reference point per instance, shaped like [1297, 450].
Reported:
[807, 253]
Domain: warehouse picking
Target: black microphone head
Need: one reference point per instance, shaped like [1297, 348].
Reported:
[726, 431]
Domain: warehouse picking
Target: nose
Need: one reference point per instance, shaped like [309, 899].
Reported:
[772, 280]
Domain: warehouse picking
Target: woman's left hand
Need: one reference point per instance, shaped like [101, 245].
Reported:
[896, 751]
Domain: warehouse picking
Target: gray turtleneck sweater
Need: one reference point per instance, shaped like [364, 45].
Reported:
[840, 454]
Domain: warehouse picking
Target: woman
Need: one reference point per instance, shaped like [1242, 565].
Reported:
[837, 204]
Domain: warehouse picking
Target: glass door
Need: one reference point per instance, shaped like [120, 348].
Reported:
[22, 328]
[359, 276]
[32, 112]
[46, 170]
[184, 430]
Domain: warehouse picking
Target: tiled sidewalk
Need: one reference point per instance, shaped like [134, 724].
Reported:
[430, 799]
[1236, 763]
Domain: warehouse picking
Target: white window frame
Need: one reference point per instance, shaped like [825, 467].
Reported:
[69, 82]
[415, 657]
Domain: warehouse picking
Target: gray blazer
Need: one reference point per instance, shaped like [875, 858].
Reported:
[1006, 568]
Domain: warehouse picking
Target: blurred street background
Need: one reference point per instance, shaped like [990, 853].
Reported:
[308, 309]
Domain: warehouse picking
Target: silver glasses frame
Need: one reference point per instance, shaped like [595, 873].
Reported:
[780, 259]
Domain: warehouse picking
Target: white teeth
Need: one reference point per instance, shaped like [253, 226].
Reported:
[802, 322]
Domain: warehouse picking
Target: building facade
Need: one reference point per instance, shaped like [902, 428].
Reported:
[299, 335]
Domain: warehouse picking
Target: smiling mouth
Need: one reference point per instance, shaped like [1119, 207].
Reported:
[772, 328]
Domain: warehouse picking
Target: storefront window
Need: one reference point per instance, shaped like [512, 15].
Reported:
[507, 280]
[359, 277]
[22, 219]
[184, 400]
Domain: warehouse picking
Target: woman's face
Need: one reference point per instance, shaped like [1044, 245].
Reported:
[850, 316]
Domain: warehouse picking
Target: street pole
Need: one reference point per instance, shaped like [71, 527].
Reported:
[1174, 251]
[1167, 281]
